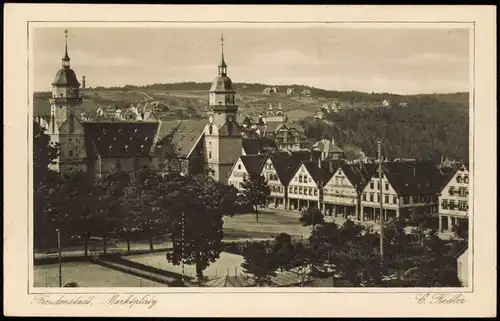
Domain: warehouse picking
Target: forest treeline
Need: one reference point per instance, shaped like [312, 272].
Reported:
[425, 129]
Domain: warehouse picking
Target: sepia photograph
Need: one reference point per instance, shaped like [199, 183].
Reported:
[240, 157]
[283, 156]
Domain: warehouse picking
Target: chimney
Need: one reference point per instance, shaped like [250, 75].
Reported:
[83, 82]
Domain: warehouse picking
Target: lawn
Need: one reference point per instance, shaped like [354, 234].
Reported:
[87, 275]
[271, 223]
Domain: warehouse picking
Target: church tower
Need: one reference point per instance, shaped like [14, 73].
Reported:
[223, 139]
[66, 98]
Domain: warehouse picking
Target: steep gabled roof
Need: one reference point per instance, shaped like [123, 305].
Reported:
[181, 134]
[412, 178]
[119, 139]
[359, 174]
[319, 175]
[253, 163]
[331, 165]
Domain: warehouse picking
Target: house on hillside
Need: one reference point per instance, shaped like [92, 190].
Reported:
[386, 103]
[270, 90]
[328, 149]
[289, 91]
[320, 114]
[306, 93]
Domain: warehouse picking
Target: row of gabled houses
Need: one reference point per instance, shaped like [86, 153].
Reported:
[409, 188]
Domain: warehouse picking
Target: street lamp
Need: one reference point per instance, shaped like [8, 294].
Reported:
[60, 256]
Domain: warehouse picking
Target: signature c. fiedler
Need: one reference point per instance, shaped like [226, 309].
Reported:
[441, 298]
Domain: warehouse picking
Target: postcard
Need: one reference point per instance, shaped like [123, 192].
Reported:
[258, 160]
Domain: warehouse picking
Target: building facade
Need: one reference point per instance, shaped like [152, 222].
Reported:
[454, 200]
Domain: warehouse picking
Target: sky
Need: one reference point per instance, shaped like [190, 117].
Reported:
[404, 61]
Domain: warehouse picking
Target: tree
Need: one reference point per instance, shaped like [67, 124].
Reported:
[45, 181]
[311, 216]
[142, 204]
[283, 251]
[76, 206]
[256, 192]
[195, 206]
[260, 263]
[110, 206]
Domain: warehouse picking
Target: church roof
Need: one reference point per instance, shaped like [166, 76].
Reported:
[119, 139]
[230, 129]
[222, 84]
[182, 134]
[66, 77]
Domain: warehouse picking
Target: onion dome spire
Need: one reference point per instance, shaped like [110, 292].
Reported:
[66, 59]
[222, 64]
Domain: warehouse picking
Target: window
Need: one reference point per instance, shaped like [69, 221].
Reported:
[295, 189]
[394, 200]
[239, 166]
[444, 204]
[378, 185]
[364, 196]
[70, 153]
[310, 191]
[386, 186]
[459, 179]
[466, 179]
[300, 190]
[209, 154]
[371, 197]
[300, 178]
[386, 200]
[315, 192]
[371, 185]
